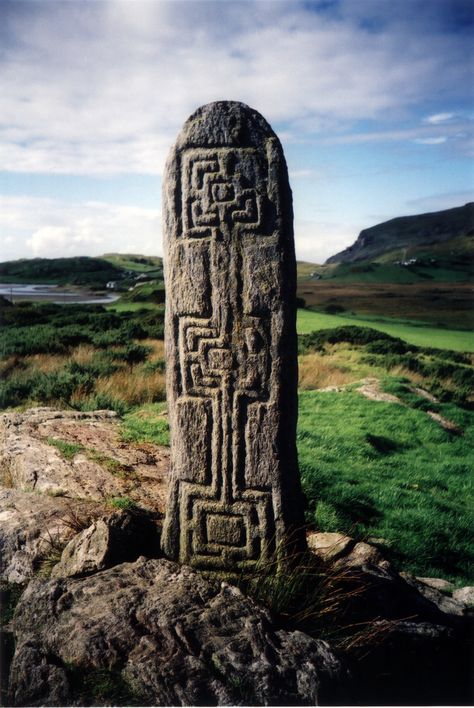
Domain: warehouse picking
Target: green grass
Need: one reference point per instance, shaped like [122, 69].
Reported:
[67, 450]
[424, 336]
[122, 503]
[112, 465]
[124, 306]
[146, 424]
[388, 471]
[101, 686]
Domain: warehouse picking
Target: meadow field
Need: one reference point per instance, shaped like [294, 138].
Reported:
[385, 417]
[437, 303]
[420, 334]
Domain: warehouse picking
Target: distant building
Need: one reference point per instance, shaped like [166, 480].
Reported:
[409, 262]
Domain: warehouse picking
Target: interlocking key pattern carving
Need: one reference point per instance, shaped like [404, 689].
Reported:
[230, 344]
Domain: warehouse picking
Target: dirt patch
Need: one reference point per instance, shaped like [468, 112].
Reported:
[424, 394]
[370, 388]
[445, 423]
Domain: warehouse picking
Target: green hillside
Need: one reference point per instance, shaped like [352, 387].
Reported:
[79, 270]
[82, 270]
[134, 261]
[406, 234]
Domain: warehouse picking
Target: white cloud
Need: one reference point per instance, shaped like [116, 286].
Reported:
[31, 227]
[439, 118]
[458, 133]
[316, 241]
[103, 87]
[431, 141]
[37, 227]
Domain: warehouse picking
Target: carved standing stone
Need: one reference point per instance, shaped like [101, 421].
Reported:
[230, 273]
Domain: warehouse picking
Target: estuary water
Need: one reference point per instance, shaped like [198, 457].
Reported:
[26, 292]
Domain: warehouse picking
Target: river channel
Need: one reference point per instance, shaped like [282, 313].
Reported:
[26, 292]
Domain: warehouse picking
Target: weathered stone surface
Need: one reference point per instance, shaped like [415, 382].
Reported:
[437, 583]
[174, 637]
[108, 541]
[330, 546]
[30, 463]
[362, 555]
[45, 498]
[443, 602]
[465, 595]
[31, 527]
[230, 341]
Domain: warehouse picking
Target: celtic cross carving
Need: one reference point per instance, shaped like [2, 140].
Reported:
[230, 335]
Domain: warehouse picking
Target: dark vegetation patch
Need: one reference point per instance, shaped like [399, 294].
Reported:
[10, 594]
[99, 686]
[114, 338]
[30, 328]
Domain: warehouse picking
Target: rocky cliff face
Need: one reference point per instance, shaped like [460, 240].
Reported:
[408, 232]
[101, 620]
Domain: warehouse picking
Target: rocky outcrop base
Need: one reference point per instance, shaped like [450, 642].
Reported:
[169, 635]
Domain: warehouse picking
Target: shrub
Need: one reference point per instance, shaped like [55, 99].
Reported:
[122, 503]
[350, 334]
[333, 309]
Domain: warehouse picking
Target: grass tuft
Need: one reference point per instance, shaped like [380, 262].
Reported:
[146, 424]
[67, 450]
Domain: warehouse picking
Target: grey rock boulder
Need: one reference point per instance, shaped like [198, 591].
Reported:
[167, 634]
[443, 602]
[437, 583]
[32, 527]
[108, 541]
[329, 546]
[465, 596]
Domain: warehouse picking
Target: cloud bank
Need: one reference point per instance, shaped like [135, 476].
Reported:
[101, 88]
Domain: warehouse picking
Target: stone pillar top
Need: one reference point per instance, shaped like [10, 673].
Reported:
[226, 124]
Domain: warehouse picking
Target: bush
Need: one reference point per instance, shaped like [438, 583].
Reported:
[350, 334]
[41, 329]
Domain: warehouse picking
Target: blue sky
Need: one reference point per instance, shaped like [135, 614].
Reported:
[372, 100]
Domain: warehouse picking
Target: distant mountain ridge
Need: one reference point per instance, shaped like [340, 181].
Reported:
[406, 233]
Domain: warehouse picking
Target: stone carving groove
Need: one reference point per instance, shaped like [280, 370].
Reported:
[230, 338]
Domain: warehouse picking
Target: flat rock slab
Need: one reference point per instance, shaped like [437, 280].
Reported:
[168, 635]
[104, 466]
